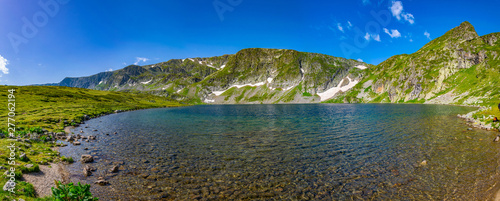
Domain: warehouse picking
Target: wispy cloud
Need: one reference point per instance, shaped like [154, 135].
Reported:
[109, 70]
[366, 2]
[339, 26]
[409, 17]
[367, 36]
[349, 25]
[375, 37]
[140, 59]
[3, 65]
[359, 59]
[394, 33]
[427, 34]
[397, 11]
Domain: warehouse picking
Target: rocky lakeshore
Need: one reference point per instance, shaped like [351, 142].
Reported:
[481, 121]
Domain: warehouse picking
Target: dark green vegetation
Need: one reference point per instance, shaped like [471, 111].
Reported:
[40, 109]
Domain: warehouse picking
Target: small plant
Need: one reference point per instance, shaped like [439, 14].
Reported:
[35, 130]
[70, 192]
[69, 160]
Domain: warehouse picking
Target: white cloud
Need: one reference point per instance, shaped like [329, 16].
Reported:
[339, 26]
[3, 65]
[394, 33]
[397, 11]
[427, 34]
[359, 59]
[140, 59]
[409, 17]
[411, 40]
[375, 37]
[109, 70]
[366, 2]
[349, 25]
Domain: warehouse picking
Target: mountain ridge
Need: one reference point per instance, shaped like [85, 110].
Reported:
[260, 75]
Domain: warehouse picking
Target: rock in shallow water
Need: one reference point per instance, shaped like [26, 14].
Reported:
[87, 158]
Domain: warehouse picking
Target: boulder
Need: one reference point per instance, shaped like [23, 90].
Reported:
[77, 143]
[497, 139]
[87, 158]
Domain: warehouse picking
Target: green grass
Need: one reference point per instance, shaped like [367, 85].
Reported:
[49, 106]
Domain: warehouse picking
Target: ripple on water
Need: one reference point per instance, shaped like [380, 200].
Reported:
[290, 152]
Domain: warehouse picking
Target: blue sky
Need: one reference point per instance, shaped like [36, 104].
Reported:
[44, 41]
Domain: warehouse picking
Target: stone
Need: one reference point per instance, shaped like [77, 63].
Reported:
[497, 139]
[86, 148]
[423, 163]
[114, 168]
[86, 171]
[77, 143]
[91, 168]
[102, 182]
[87, 158]
[23, 157]
[469, 129]
[28, 165]
[9, 185]
[70, 138]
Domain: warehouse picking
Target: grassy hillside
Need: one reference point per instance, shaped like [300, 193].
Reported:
[49, 107]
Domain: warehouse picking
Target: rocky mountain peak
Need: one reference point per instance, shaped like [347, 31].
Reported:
[465, 31]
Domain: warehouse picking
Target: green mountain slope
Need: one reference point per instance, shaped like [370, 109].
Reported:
[459, 67]
[252, 75]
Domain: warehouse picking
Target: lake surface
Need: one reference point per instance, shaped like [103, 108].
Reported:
[293, 152]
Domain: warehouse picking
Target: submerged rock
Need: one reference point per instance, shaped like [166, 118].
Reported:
[114, 168]
[102, 182]
[87, 158]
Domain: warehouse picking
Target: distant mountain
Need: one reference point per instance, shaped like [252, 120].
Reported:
[459, 67]
[253, 75]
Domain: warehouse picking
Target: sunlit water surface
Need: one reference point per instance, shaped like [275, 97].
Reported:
[295, 152]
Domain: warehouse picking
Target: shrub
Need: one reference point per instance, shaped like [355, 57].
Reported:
[70, 192]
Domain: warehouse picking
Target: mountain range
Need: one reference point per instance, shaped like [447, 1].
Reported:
[459, 67]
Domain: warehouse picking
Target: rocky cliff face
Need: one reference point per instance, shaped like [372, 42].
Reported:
[459, 67]
[253, 75]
